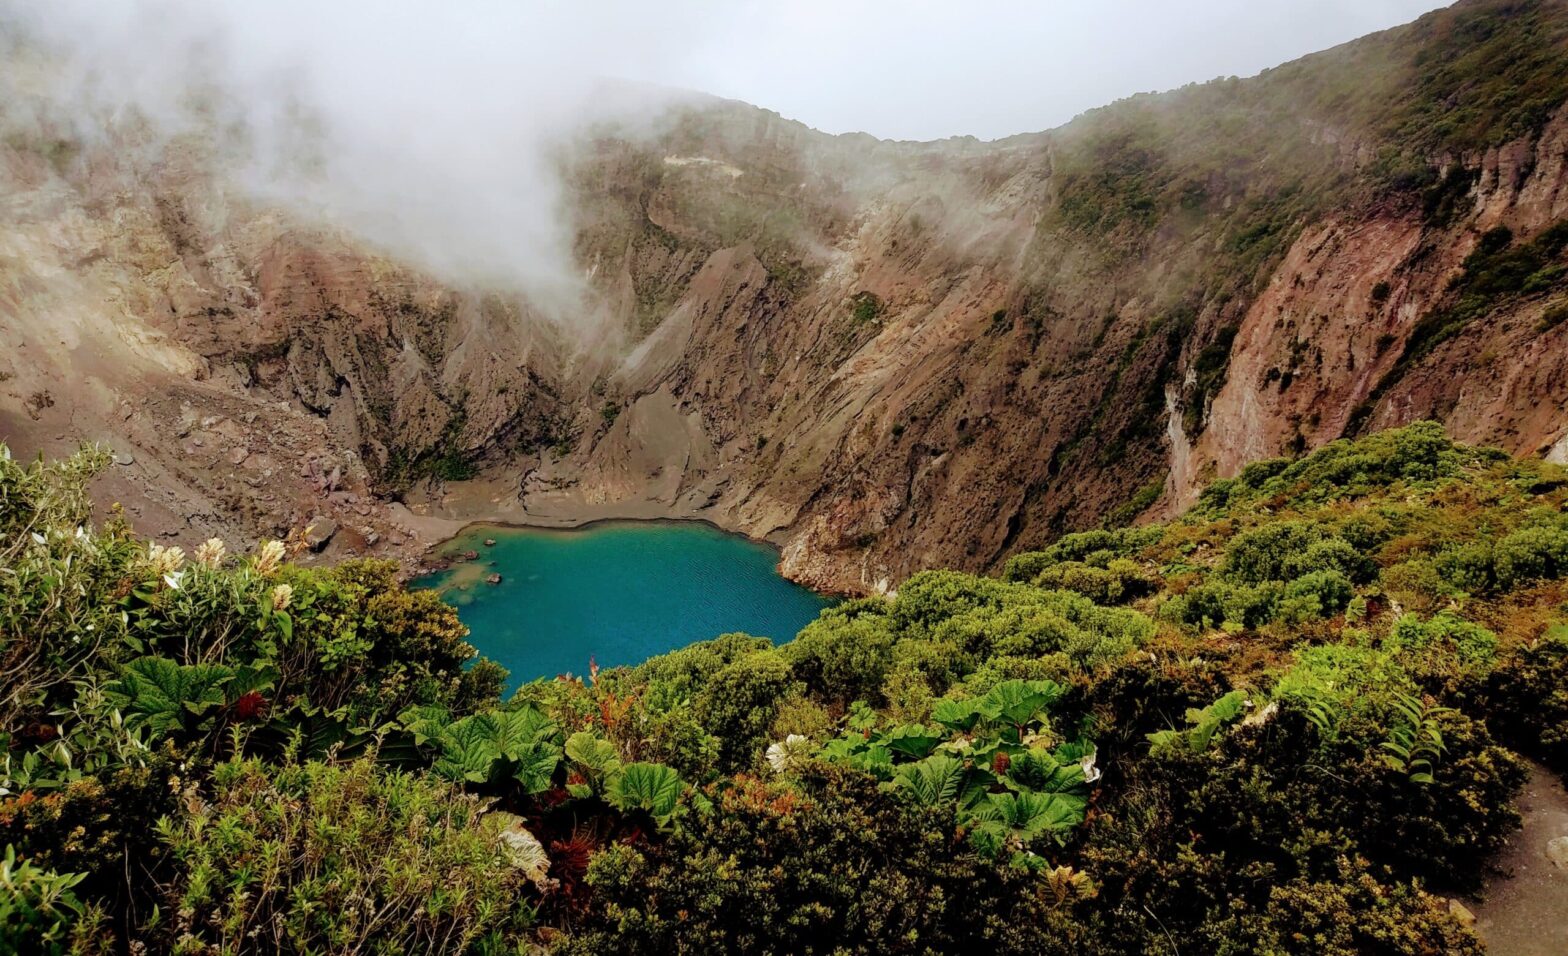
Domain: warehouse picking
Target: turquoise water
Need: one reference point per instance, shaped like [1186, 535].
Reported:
[617, 592]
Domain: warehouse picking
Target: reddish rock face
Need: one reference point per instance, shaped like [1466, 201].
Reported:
[884, 356]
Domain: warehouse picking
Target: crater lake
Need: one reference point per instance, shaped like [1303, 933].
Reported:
[615, 592]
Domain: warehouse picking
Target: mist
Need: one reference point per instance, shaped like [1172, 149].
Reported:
[437, 132]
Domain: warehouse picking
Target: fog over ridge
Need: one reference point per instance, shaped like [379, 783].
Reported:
[432, 134]
[436, 131]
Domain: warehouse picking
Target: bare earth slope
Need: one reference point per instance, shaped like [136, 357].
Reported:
[885, 356]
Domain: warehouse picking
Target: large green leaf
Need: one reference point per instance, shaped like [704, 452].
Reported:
[911, 740]
[1019, 702]
[932, 781]
[493, 746]
[165, 696]
[866, 755]
[1039, 769]
[1024, 816]
[496, 746]
[468, 751]
[650, 787]
[426, 722]
[959, 716]
[303, 732]
[534, 766]
[592, 753]
[1203, 725]
[247, 679]
[595, 758]
[1047, 812]
[516, 730]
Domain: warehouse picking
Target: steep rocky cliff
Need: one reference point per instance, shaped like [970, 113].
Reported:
[884, 356]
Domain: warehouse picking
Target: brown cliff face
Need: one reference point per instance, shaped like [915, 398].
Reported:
[884, 356]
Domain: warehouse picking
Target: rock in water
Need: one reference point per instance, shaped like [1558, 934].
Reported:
[489, 542]
[319, 531]
[492, 579]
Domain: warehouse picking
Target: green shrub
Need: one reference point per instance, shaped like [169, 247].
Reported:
[684, 671]
[740, 703]
[927, 781]
[1287, 550]
[1520, 558]
[1220, 604]
[349, 857]
[92, 825]
[1531, 554]
[58, 597]
[828, 863]
[40, 913]
[845, 653]
[1315, 594]
[1529, 699]
[1417, 453]
[1473, 645]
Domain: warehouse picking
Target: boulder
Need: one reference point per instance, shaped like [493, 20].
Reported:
[1461, 912]
[1557, 852]
[319, 531]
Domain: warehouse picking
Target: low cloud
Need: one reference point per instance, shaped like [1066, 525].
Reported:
[433, 131]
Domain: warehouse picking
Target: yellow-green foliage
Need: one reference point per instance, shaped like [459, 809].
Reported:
[317, 858]
[1265, 721]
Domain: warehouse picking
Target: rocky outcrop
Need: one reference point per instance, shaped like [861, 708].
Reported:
[1325, 338]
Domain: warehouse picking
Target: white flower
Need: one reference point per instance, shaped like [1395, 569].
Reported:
[164, 561]
[211, 552]
[281, 595]
[1091, 773]
[1263, 716]
[268, 557]
[962, 744]
[789, 753]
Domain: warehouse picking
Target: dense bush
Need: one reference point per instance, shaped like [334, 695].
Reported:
[1265, 726]
[830, 863]
[337, 858]
[1529, 696]
[40, 911]
[739, 703]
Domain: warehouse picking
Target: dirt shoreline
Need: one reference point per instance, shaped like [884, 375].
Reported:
[592, 522]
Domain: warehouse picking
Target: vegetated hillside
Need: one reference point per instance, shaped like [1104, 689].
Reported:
[884, 356]
[1279, 723]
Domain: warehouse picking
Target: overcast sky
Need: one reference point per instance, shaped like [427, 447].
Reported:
[912, 69]
[925, 69]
